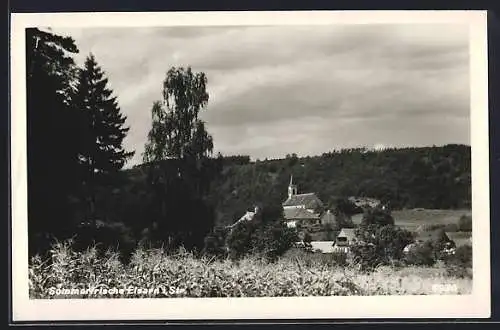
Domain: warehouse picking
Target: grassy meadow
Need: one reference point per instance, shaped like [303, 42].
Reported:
[461, 238]
[412, 219]
[183, 275]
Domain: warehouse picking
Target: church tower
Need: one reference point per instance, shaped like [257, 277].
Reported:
[292, 189]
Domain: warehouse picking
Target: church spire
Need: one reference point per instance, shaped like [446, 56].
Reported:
[292, 189]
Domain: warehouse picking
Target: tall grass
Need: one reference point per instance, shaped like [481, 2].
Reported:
[181, 274]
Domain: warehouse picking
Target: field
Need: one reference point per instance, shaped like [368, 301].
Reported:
[460, 238]
[183, 275]
[413, 218]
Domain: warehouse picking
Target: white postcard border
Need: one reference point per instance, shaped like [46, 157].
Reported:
[475, 305]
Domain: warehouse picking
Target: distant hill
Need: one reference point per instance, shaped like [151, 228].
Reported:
[427, 177]
[437, 177]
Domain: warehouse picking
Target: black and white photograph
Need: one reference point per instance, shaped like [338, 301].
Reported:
[195, 160]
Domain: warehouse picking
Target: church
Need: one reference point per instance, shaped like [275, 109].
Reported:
[303, 209]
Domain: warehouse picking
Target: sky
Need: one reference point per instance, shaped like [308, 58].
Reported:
[277, 90]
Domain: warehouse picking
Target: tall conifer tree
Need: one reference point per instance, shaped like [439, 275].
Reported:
[51, 135]
[102, 130]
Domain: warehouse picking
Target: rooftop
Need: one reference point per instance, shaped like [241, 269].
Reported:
[298, 213]
[349, 233]
[310, 200]
[248, 216]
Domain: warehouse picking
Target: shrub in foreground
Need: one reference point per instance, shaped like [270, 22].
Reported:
[273, 240]
[379, 245]
[421, 255]
[269, 239]
[459, 264]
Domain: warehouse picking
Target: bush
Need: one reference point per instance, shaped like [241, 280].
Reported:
[345, 206]
[441, 243]
[377, 216]
[269, 240]
[436, 247]
[342, 221]
[379, 245]
[365, 255]
[239, 239]
[459, 264]
[465, 223]
[273, 240]
[269, 213]
[421, 255]
[463, 255]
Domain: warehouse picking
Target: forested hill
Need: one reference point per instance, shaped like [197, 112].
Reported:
[426, 177]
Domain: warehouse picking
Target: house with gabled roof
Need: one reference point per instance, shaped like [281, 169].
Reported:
[301, 209]
[307, 209]
[306, 201]
[248, 216]
[345, 239]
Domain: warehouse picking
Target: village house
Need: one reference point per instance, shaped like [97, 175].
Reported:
[345, 239]
[307, 209]
[301, 209]
[248, 216]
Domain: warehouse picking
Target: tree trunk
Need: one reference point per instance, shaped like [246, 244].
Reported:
[91, 196]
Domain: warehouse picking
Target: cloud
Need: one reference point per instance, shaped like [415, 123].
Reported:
[302, 89]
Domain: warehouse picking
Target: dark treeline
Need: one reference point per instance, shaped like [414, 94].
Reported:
[427, 177]
[437, 177]
[236, 160]
[75, 132]
[77, 186]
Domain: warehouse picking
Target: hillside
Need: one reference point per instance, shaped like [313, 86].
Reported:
[427, 177]
[432, 178]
